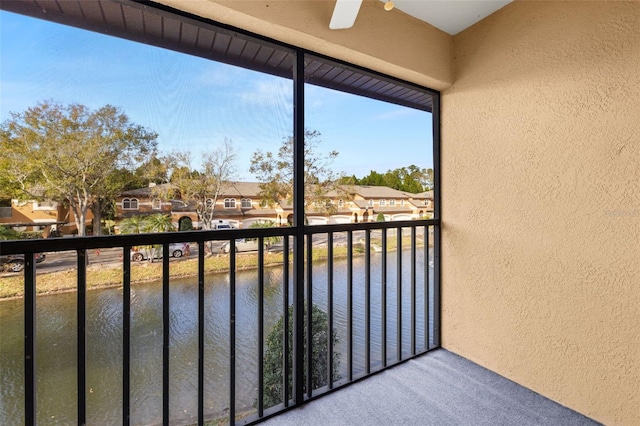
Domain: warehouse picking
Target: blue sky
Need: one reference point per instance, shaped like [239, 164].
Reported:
[194, 104]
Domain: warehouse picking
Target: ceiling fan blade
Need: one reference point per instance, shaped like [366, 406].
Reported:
[344, 14]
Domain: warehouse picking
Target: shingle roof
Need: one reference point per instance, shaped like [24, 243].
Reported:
[368, 191]
[422, 195]
[363, 204]
[252, 190]
[147, 191]
[419, 204]
[241, 189]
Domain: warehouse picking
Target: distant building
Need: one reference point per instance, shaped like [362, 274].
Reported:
[239, 204]
[35, 216]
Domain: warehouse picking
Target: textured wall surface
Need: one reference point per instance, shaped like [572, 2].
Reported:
[541, 202]
[392, 42]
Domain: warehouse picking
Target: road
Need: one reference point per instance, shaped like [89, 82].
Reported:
[60, 261]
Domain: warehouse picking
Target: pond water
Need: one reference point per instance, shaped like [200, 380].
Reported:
[56, 342]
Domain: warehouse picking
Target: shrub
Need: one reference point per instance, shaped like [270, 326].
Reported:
[266, 224]
[185, 224]
[380, 217]
[273, 376]
[7, 233]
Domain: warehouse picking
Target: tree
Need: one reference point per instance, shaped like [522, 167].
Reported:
[103, 203]
[157, 222]
[133, 225]
[273, 361]
[275, 172]
[203, 186]
[411, 179]
[7, 233]
[70, 154]
[373, 179]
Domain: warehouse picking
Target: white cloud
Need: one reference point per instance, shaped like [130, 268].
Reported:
[268, 93]
[395, 113]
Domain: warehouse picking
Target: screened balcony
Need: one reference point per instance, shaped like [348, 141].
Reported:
[537, 228]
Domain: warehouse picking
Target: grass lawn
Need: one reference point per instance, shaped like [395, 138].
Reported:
[104, 276]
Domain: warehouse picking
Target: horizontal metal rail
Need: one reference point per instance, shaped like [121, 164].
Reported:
[16, 247]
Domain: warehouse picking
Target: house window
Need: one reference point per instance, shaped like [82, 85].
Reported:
[370, 203]
[45, 205]
[156, 204]
[340, 203]
[383, 203]
[245, 203]
[402, 203]
[392, 203]
[130, 204]
[229, 203]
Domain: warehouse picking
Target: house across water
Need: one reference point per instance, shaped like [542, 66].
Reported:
[240, 204]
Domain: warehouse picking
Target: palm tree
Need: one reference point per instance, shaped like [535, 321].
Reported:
[147, 224]
[159, 223]
[133, 225]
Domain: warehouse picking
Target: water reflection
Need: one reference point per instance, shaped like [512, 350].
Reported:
[56, 342]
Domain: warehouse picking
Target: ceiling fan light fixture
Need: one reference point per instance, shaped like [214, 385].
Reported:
[389, 5]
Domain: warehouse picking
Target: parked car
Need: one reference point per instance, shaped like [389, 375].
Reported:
[221, 224]
[175, 250]
[16, 263]
[242, 244]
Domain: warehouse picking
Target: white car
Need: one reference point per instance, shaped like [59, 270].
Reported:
[175, 250]
[242, 244]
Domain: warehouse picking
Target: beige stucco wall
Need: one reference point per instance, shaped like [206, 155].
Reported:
[541, 202]
[402, 46]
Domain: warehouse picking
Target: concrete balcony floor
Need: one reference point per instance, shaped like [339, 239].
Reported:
[438, 388]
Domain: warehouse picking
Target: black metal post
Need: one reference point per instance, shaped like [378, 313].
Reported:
[350, 305]
[81, 306]
[165, 334]
[126, 335]
[285, 328]
[413, 290]
[29, 340]
[383, 281]
[427, 272]
[260, 327]
[201, 325]
[298, 211]
[232, 332]
[436, 286]
[367, 302]
[330, 309]
[309, 293]
[399, 295]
